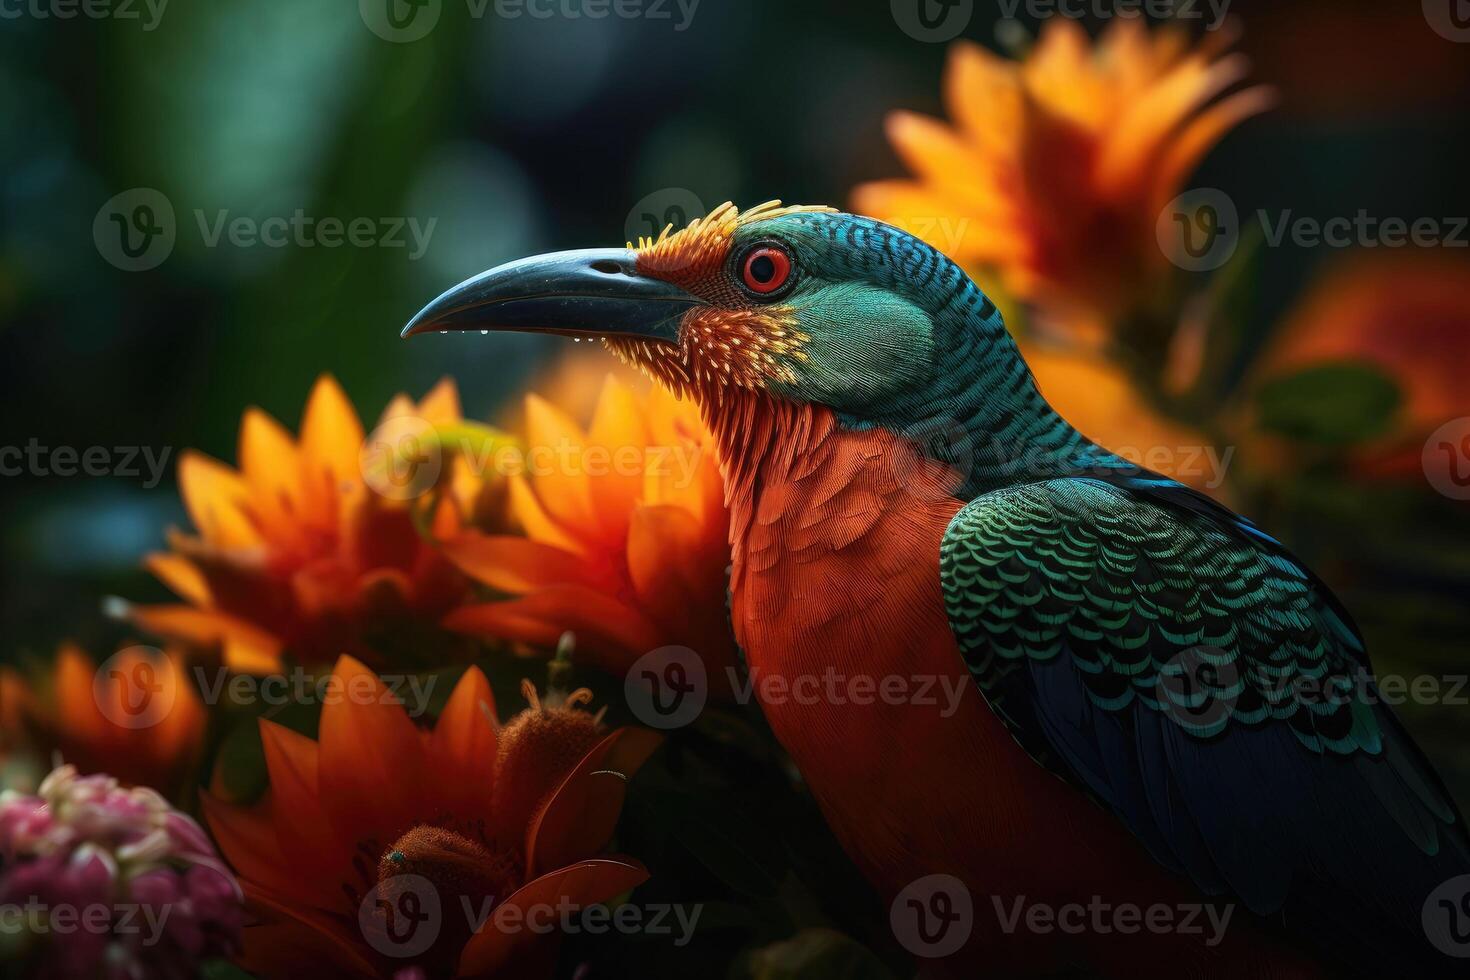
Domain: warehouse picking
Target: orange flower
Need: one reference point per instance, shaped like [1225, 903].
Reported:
[138, 718]
[374, 840]
[626, 535]
[1058, 166]
[300, 551]
[1409, 314]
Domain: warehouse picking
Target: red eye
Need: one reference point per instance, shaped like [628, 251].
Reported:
[766, 269]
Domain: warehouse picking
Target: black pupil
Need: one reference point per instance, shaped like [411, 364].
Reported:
[762, 269]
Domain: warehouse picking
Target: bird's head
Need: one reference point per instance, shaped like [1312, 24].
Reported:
[802, 305]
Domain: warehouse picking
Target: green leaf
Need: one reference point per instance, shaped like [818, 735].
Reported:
[1336, 404]
[222, 970]
[240, 774]
[814, 953]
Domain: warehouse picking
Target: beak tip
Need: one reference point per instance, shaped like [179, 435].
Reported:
[419, 324]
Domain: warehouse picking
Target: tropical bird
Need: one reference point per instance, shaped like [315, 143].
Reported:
[1161, 708]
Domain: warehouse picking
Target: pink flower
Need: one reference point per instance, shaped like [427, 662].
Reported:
[100, 880]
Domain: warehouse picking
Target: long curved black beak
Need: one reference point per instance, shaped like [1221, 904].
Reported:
[594, 292]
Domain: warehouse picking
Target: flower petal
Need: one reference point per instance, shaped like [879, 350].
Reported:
[247, 837]
[179, 574]
[372, 757]
[581, 815]
[602, 623]
[463, 748]
[586, 883]
[517, 565]
[331, 443]
[534, 519]
[322, 853]
[620, 449]
[554, 457]
[216, 498]
[441, 405]
[295, 936]
[271, 466]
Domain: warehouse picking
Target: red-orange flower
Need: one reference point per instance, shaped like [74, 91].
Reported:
[298, 551]
[137, 718]
[1058, 166]
[625, 534]
[379, 818]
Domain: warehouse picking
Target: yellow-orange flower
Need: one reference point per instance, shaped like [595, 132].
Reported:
[379, 818]
[137, 718]
[625, 534]
[1057, 167]
[299, 551]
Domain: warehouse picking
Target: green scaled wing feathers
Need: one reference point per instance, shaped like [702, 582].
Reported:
[1186, 671]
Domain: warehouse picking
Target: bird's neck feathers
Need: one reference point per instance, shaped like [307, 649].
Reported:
[979, 425]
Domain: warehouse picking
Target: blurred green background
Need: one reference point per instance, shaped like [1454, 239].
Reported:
[513, 135]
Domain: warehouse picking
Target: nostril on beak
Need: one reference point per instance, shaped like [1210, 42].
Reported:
[610, 267]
